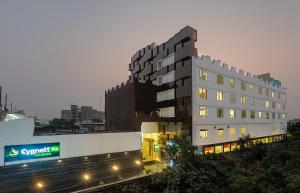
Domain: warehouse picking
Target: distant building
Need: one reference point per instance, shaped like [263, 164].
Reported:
[82, 114]
[293, 122]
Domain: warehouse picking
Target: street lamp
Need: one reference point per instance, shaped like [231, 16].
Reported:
[137, 162]
[39, 186]
[86, 177]
[115, 168]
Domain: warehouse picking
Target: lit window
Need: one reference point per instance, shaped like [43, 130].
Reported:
[243, 131]
[283, 96]
[252, 114]
[243, 86]
[267, 104]
[232, 98]
[167, 112]
[260, 103]
[260, 90]
[267, 92]
[220, 133]
[203, 112]
[267, 115]
[243, 114]
[284, 116]
[231, 83]
[203, 93]
[243, 100]
[203, 133]
[231, 113]
[251, 87]
[220, 79]
[232, 132]
[260, 115]
[272, 94]
[203, 74]
[220, 96]
[219, 149]
[220, 112]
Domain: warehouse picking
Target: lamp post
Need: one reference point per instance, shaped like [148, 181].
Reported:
[115, 168]
[86, 178]
[40, 186]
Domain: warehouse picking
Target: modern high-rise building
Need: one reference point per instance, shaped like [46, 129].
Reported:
[85, 113]
[173, 91]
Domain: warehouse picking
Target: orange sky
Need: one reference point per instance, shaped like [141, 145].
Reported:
[57, 53]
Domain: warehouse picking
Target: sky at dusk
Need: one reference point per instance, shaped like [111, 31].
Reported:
[57, 53]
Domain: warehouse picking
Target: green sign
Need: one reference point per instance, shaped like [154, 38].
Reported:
[156, 148]
[31, 151]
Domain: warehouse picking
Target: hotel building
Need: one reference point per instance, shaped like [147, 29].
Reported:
[173, 91]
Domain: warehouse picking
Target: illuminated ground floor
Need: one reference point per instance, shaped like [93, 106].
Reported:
[234, 145]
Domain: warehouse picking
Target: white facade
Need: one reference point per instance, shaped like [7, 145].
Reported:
[17, 132]
[227, 99]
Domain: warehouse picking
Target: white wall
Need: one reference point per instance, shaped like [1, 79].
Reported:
[255, 127]
[21, 132]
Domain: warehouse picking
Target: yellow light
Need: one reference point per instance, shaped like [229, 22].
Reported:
[115, 167]
[39, 185]
[85, 157]
[157, 159]
[137, 162]
[86, 177]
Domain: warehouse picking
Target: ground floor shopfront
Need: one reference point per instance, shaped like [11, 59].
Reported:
[234, 145]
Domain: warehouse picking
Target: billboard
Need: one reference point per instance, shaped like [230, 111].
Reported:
[31, 151]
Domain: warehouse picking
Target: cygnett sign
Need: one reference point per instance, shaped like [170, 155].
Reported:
[31, 151]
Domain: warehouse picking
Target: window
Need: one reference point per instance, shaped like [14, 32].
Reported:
[232, 98]
[203, 112]
[220, 96]
[165, 61]
[252, 101]
[272, 94]
[273, 116]
[267, 104]
[243, 114]
[232, 132]
[251, 87]
[267, 115]
[283, 106]
[260, 115]
[203, 93]
[279, 115]
[220, 79]
[231, 113]
[203, 133]
[165, 95]
[273, 105]
[243, 131]
[231, 83]
[243, 86]
[167, 112]
[260, 103]
[166, 78]
[260, 90]
[252, 114]
[220, 133]
[243, 100]
[284, 116]
[203, 74]
[267, 92]
[279, 95]
[283, 96]
[278, 106]
[220, 112]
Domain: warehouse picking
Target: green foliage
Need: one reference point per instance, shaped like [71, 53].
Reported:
[256, 168]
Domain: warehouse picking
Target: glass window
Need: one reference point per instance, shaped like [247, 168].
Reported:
[203, 112]
[209, 149]
[284, 116]
[219, 149]
[278, 106]
[267, 115]
[203, 133]
[220, 132]
[231, 83]
[220, 112]
[251, 87]
[243, 114]
[252, 101]
[220, 96]
[243, 100]
[273, 105]
[252, 114]
[220, 79]
[283, 96]
[273, 115]
[267, 104]
[231, 113]
[232, 132]
[267, 92]
[260, 90]
[203, 93]
[232, 98]
[272, 94]
[260, 115]
[202, 74]
[279, 115]
[243, 86]
[283, 106]
[243, 131]
[260, 103]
